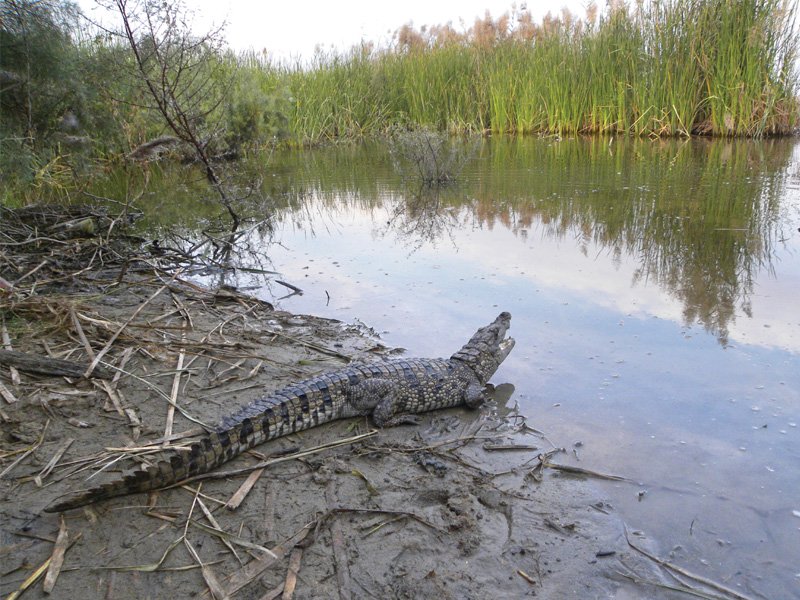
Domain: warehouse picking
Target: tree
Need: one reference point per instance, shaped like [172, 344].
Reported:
[39, 84]
[182, 75]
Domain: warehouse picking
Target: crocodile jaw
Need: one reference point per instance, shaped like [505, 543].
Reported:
[488, 348]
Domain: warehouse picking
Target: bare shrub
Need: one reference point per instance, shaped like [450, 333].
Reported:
[431, 157]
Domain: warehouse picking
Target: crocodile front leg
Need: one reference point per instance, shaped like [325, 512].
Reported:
[378, 398]
[475, 395]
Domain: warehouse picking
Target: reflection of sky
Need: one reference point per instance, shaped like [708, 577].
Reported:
[587, 274]
[711, 431]
[575, 314]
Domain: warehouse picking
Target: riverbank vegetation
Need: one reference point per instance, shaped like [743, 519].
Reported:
[70, 97]
[681, 67]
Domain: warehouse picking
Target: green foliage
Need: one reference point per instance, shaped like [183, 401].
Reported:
[38, 66]
[42, 98]
[257, 110]
[340, 96]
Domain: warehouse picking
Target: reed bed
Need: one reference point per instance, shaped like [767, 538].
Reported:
[671, 68]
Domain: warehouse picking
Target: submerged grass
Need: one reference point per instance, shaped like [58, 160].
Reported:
[670, 68]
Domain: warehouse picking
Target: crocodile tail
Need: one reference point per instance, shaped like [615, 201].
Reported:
[204, 455]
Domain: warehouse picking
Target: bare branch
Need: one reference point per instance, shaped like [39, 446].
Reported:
[179, 73]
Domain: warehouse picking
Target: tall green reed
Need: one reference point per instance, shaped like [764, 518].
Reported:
[669, 68]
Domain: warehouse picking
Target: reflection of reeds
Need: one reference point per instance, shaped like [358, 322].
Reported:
[700, 218]
[676, 67]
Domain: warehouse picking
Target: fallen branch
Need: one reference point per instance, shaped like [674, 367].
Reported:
[42, 365]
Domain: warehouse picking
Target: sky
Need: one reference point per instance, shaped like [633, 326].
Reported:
[290, 30]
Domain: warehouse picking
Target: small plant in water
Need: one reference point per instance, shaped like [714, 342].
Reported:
[431, 157]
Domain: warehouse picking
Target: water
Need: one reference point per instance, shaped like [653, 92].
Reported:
[654, 291]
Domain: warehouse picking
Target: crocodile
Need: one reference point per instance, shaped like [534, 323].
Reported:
[391, 392]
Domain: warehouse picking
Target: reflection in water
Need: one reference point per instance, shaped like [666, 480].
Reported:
[423, 218]
[700, 218]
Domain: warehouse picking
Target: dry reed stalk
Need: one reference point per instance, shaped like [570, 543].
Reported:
[148, 449]
[269, 512]
[214, 523]
[581, 471]
[252, 570]
[31, 272]
[104, 460]
[134, 423]
[254, 371]
[40, 570]
[686, 573]
[27, 452]
[313, 346]
[160, 393]
[15, 380]
[194, 432]
[238, 497]
[219, 378]
[206, 497]
[6, 393]
[291, 574]
[104, 323]
[340, 555]
[176, 381]
[51, 464]
[526, 577]
[224, 535]
[111, 341]
[208, 575]
[57, 558]
[280, 459]
[182, 309]
[113, 396]
[125, 357]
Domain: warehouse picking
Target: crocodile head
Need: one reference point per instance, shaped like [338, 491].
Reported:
[487, 348]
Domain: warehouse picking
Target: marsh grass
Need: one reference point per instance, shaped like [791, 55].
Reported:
[672, 68]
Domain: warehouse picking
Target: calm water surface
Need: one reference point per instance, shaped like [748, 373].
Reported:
[654, 291]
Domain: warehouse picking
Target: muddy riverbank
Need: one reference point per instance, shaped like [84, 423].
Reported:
[463, 505]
